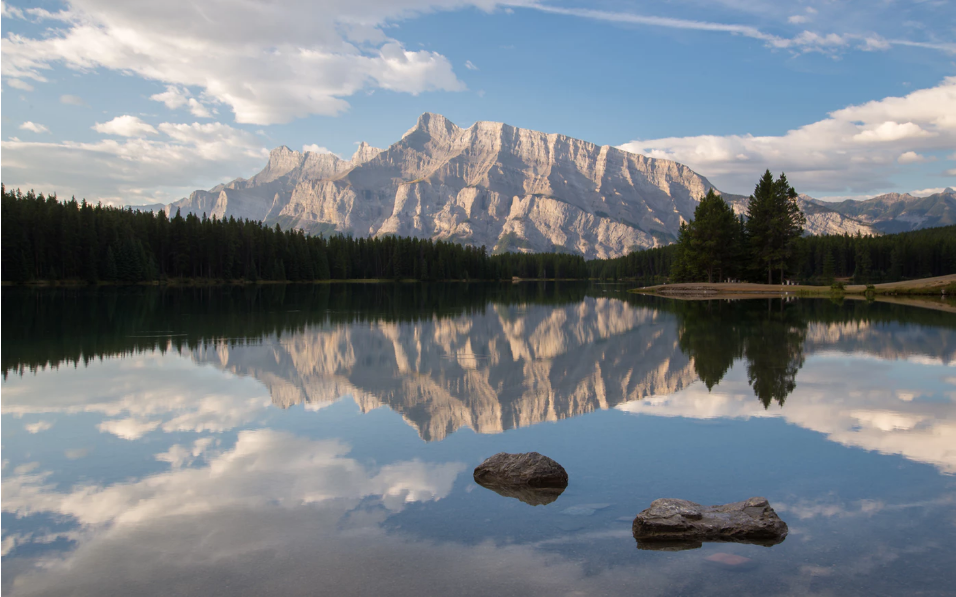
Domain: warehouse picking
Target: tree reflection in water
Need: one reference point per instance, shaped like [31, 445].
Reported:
[770, 337]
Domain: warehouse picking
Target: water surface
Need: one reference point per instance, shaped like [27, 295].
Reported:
[320, 440]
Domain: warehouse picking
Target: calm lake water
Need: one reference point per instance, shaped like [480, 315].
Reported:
[319, 440]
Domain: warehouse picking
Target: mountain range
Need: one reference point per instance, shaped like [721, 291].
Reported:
[512, 189]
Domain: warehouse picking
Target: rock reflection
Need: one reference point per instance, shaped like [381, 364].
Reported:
[688, 545]
[533, 496]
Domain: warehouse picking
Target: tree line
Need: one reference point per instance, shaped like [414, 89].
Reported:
[768, 245]
[51, 240]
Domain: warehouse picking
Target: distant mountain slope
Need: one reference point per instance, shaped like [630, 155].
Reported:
[897, 212]
[508, 188]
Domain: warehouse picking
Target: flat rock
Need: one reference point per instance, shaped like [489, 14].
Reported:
[680, 524]
[513, 475]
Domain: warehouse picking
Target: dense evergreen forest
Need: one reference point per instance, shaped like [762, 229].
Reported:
[817, 259]
[50, 240]
[768, 246]
[47, 239]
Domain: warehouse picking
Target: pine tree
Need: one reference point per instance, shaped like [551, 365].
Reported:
[774, 222]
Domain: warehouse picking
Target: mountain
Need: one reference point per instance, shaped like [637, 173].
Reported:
[491, 184]
[512, 189]
[895, 212]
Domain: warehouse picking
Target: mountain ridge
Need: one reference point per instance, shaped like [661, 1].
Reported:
[494, 185]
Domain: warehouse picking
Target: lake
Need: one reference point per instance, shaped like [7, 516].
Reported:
[321, 439]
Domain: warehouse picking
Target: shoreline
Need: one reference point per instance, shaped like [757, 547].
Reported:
[936, 286]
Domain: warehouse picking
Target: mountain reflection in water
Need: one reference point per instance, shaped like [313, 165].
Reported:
[176, 456]
[486, 357]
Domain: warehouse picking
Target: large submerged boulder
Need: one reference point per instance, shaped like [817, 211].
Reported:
[530, 477]
[679, 524]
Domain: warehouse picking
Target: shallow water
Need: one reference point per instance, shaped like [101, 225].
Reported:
[320, 440]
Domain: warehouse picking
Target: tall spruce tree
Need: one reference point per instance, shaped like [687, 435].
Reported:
[774, 222]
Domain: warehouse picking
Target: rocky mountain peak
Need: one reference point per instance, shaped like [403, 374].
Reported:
[364, 153]
[511, 189]
[432, 126]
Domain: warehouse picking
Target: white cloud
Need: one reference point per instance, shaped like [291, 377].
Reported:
[806, 41]
[268, 63]
[855, 148]
[19, 84]
[470, 65]
[891, 131]
[10, 11]
[911, 157]
[72, 100]
[128, 428]
[314, 148]
[927, 192]
[868, 415]
[176, 97]
[38, 426]
[264, 467]
[179, 456]
[125, 126]
[177, 160]
[34, 127]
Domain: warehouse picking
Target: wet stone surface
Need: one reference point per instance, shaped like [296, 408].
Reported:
[674, 524]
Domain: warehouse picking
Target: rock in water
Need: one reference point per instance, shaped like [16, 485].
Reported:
[673, 521]
[530, 469]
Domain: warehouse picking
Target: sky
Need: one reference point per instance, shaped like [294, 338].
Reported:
[139, 101]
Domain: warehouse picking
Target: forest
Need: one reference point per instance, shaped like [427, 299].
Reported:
[817, 259]
[45, 239]
[769, 246]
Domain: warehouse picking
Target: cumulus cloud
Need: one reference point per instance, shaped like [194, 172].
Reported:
[855, 148]
[176, 159]
[38, 426]
[911, 157]
[268, 63]
[33, 127]
[264, 467]
[125, 126]
[176, 97]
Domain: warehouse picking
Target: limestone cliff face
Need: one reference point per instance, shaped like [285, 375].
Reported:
[507, 367]
[491, 184]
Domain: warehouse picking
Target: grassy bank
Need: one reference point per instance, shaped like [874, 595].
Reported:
[940, 285]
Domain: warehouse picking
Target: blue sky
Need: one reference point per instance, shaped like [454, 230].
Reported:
[139, 101]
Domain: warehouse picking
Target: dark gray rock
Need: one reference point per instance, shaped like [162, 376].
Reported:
[671, 524]
[531, 477]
